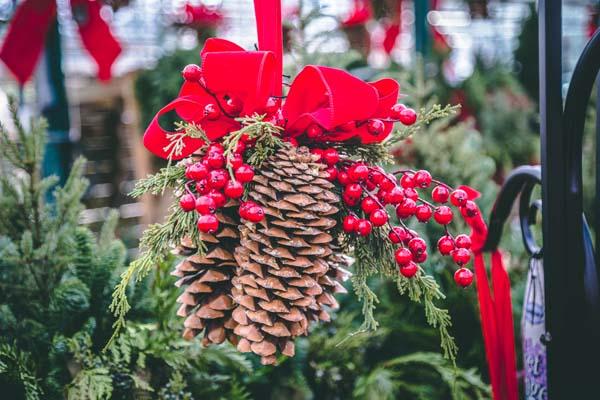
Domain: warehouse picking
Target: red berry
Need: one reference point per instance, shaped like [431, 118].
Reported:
[331, 156]
[375, 175]
[370, 185]
[470, 209]
[244, 173]
[408, 116]
[350, 223]
[461, 256]
[411, 193]
[403, 256]
[423, 212]
[240, 148]
[417, 245]
[358, 172]
[235, 160]
[218, 178]
[440, 194]
[463, 277]
[234, 190]
[421, 257]
[272, 106]
[215, 148]
[459, 197]
[368, 205]
[422, 178]
[218, 197]
[378, 217]
[318, 152]
[409, 270]
[463, 241]
[187, 202]
[314, 131]
[255, 214]
[353, 190]
[192, 73]
[244, 207]
[388, 182]
[395, 111]
[445, 245]
[364, 227]
[375, 127]
[208, 223]
[382, 196]
[407, 181]
[233, 106]
[406, 208]
[398, 234]
[212, 112]
[205, 205]
[332, 173]
[350, 200]
[196, 171]
[343, 178]
[395, 196]
[202, 186]
[215, 160]
[443, 215]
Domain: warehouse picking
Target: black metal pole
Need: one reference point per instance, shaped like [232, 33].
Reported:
[572, 345]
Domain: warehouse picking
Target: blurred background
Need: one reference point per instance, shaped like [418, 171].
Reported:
[481, 54]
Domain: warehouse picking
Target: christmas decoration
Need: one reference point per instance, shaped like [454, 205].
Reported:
[275, 193]
[31, 23]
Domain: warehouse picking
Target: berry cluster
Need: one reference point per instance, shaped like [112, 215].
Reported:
[368, 191]
[215, 179]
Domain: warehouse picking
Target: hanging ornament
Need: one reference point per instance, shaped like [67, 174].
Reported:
[278, 195]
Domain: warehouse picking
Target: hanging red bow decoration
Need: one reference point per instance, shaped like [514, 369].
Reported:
[233, 82]
[26, 35]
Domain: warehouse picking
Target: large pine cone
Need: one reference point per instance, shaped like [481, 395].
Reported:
[288, 267]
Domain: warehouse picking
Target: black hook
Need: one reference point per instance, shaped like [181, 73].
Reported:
[521, 181]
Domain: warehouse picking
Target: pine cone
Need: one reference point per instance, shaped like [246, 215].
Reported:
[284, 278]
[206, 300]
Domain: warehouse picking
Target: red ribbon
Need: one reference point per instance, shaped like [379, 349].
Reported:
[26, 35]
[328, 97]
[496, 313]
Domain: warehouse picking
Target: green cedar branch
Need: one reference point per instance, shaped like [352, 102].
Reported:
[425, 117]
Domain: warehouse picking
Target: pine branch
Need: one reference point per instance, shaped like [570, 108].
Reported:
[374, 154]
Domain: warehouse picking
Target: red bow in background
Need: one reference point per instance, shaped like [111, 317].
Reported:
[26, 36]
[240, 83]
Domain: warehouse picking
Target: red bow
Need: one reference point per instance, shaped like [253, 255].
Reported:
[339, 103]
[26, 35]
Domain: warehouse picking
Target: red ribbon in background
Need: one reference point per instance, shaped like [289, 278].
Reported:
[318, 95]
[26, 36]
[496, 312]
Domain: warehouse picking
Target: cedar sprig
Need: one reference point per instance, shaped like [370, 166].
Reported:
[155, 243]
[373, 154]
[155, 184]
[373, 256]
[425, 117]
[267, 138]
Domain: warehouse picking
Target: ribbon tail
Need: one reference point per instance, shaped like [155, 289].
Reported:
[488, 325]
[270, 36]
[26, 36]
[96, 36]
[504, 320]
